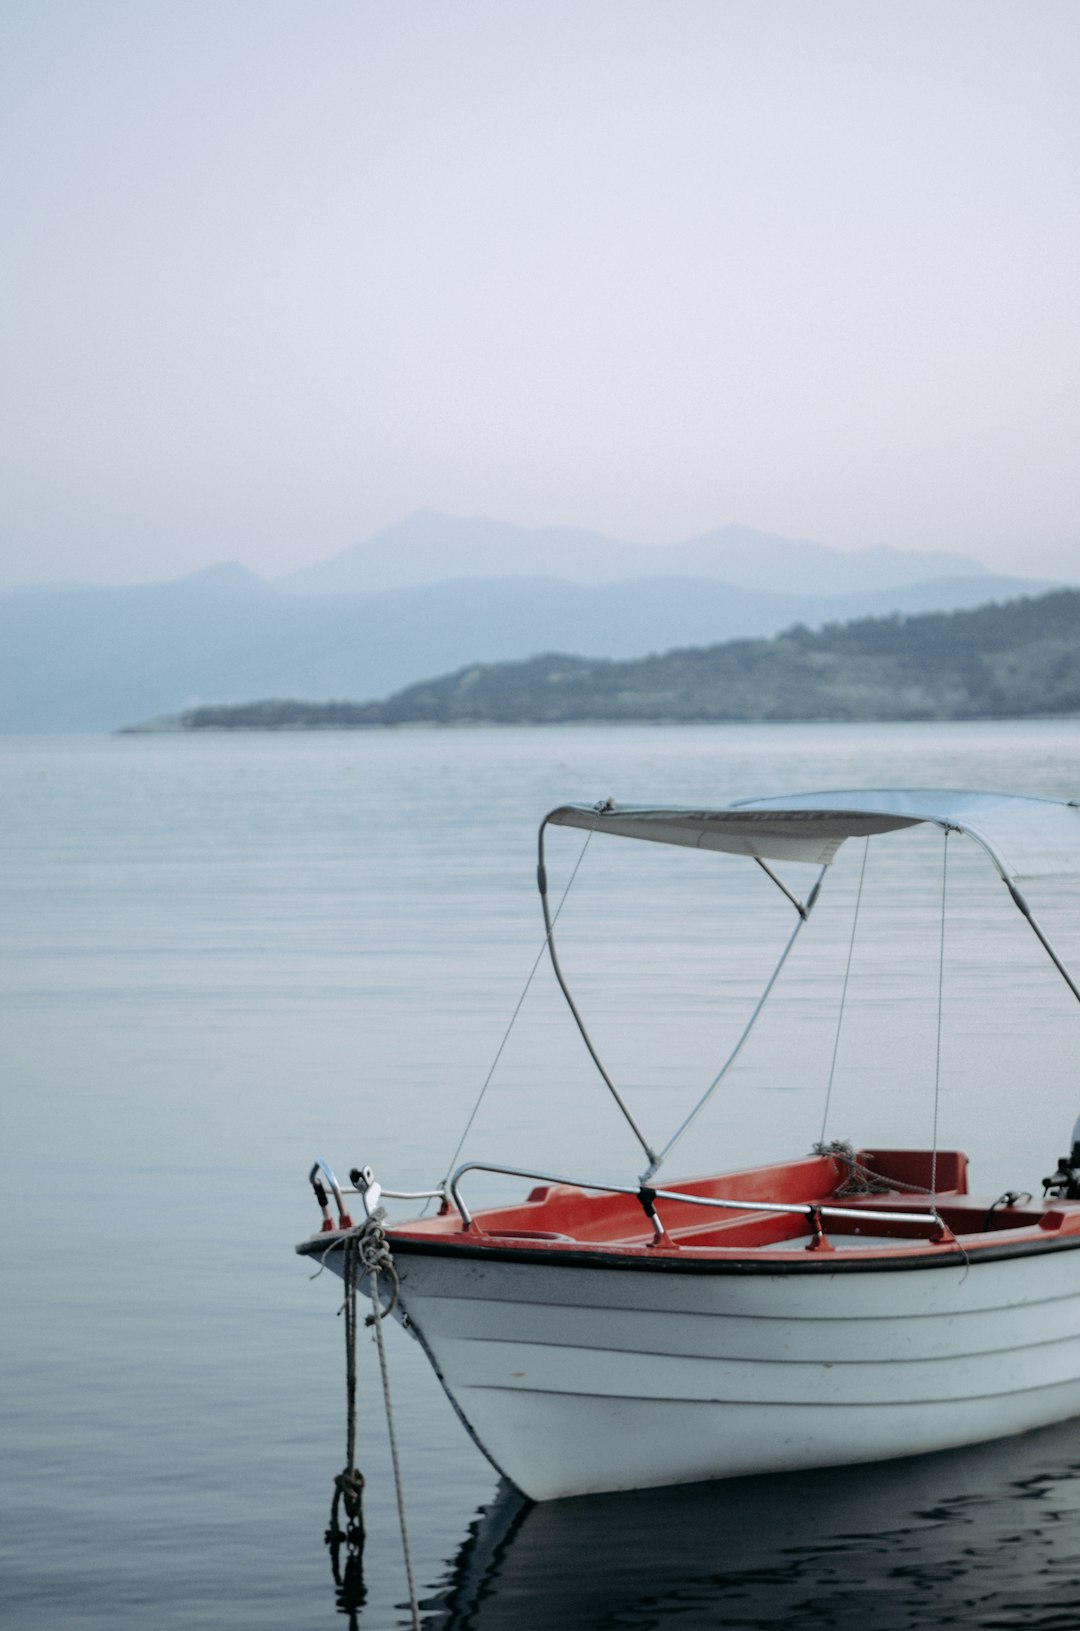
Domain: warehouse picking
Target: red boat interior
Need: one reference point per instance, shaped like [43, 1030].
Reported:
[562, 1217]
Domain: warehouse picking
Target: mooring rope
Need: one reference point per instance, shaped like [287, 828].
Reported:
[375, 1255]
[349, 1483]
[366, 1251]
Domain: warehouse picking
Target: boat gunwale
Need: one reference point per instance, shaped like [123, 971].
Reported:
[734, 1261]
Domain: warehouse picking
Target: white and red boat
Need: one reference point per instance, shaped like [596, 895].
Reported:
[844, 1307]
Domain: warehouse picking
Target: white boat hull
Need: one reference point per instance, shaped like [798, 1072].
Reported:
[580, 1379]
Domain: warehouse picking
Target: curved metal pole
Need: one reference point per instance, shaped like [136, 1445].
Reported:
[549, 935]
[1042, 936]
[1019, 902]
[804, 913]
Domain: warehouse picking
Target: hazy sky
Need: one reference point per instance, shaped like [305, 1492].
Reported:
[279, 273]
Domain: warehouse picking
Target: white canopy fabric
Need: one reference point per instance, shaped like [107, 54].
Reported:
[1024, 837]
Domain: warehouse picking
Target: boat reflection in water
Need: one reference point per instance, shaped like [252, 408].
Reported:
[983, 1537]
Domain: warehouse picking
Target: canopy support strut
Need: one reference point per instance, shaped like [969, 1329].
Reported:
[1041, 936]
[1021, 904]
[804, 914]
[803, 908]
[549, 930]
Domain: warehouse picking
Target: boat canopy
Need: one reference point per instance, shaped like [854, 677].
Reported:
[1024, 837]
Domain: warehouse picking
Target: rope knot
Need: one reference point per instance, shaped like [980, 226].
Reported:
[350, 1486]
[371, 1244]
[367, 1252]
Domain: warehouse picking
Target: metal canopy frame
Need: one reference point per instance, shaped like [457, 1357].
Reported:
[802, 909]
[806, 827]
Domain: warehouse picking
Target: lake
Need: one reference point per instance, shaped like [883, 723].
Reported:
[223, 956]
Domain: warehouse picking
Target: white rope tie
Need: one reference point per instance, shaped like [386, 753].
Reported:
[940, 995]
[844, 991]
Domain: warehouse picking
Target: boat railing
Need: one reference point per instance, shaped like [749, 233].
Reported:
[372, 1193]
[321, 1178]
[647, 1196]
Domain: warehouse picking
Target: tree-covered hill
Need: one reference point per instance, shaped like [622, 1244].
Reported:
[1014, 660]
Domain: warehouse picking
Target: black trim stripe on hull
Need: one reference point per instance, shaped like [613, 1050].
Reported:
[816, 1263]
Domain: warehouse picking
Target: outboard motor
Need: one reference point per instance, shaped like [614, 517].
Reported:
[1064, 1184]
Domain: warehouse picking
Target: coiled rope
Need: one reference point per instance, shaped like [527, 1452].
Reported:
[860, 1180]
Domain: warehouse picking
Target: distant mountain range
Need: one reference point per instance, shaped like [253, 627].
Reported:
[431, 548]
[90, 658]
[1011, 661]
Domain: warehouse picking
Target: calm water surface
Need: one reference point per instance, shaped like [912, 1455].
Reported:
[223, 957]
